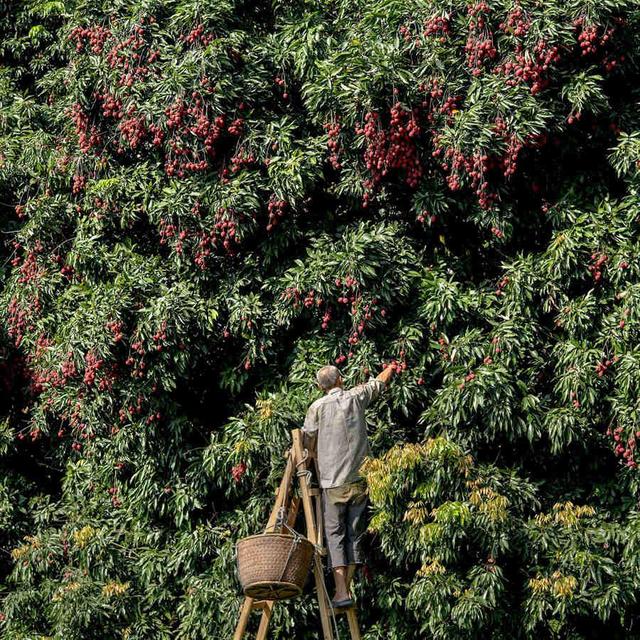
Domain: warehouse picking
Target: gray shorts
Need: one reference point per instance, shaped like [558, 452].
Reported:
[344, 522]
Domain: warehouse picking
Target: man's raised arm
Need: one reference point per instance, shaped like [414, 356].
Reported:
[385, 374]
[367, 392]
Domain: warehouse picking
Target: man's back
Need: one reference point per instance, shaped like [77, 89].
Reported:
[337, 420]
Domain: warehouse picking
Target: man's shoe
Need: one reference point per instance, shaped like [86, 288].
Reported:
[342, 604]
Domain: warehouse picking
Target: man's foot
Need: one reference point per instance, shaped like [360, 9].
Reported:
[341, 603]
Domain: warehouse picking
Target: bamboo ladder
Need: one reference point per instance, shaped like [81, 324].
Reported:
[286, 503]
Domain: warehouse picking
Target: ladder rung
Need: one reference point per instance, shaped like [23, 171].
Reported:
[344, 610]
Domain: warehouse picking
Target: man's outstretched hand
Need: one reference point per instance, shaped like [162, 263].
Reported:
[386, 374]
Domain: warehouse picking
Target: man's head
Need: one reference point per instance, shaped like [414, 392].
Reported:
[328, 378]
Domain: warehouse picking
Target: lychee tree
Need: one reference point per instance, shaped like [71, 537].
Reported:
[204, 202]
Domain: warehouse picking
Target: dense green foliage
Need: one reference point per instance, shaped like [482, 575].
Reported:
[202, 202]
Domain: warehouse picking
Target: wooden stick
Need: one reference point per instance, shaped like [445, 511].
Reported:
[247, 606]
[301, 466]
[323, 602]
[283, 493]
[312, 533]
[354, 628]
[292, 513]
[319, 514]
[264, 620]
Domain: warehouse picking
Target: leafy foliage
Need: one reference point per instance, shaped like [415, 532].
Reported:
[204, 202]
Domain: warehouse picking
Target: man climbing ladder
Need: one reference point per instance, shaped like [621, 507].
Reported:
[335, 428]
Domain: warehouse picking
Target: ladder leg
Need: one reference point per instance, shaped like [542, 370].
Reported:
[312, 533]
[244, 618]
[354, 627]
[264, 620]
[324, 605]
[283, 492]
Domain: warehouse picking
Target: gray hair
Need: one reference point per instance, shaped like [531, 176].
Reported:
[328, 376]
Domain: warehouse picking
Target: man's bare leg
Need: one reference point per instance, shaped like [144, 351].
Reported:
[340, 577]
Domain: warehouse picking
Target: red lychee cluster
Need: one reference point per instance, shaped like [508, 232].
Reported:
[92, 365]
[110, 375]
[333, 135]
[405, 32]
[398, 366]
[139, 366]
[326, 318]
[115, 501]
[623, 321]
[153, 417]
[52, 378]
[293, 295]
[160, 336]
[501, 285]
[95, 36]
[310, 300]
[478, 49]
[238, 471]
[167, 230]
[79, 183]
[476, 167]
[468, 378]
[437, 26]
[185, 122]
[241, 160]
[588, 38]
[129, 411]
[280, 83]
[530, 67]
[115, 327]
[133, 129]
[226, 229]
[510, 158]
[157, 133]
[599, 261]
[424, 215]
[110, 104]
[129, 56]
[625, 447]
[197, 34]
[433, 93]
[509, 161]
[88, 135]
[516, 23]
[276, 210]
[392, 149]
[30, 270]
[602, 367]
[42, 345]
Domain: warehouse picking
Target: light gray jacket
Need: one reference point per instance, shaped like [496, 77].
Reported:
[337, 421]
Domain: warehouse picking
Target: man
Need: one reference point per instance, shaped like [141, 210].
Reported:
[335, 428]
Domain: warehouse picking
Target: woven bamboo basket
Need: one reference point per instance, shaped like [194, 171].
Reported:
[273, 566]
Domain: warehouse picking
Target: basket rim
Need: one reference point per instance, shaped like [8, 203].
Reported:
[288, 536]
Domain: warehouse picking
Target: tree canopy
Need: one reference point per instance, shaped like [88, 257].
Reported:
[203, 202]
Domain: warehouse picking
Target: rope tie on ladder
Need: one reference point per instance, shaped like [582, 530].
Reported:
[304, 473]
